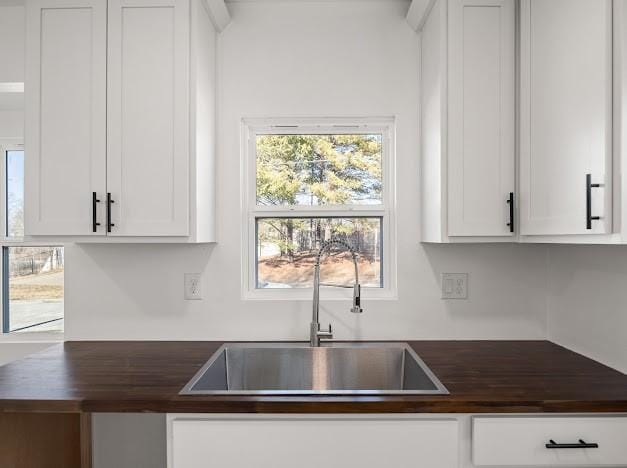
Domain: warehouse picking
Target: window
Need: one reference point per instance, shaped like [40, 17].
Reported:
[32, 275]
[14, 163]
[307, 182]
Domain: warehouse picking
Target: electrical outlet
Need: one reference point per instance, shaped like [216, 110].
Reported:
[454, 285]
[193, 290]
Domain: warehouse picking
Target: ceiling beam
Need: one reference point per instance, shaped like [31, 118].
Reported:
[418, 12]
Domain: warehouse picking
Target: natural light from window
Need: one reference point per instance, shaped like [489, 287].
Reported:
[32, 275]
[313, 183]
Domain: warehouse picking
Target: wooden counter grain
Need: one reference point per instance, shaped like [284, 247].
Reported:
[146, 376]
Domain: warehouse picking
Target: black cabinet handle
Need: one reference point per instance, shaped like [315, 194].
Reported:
[109, 202]
[589, 187]
[582, 444]
[510, 202]
[94, 212]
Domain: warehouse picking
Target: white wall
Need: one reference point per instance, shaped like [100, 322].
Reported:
[588, 303]
[12, 43]
[11, 69]
[308, 59]
[11, 123]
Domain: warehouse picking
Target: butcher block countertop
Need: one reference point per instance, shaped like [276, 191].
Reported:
[146, 376]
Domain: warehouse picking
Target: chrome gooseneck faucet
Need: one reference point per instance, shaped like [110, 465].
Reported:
[315, 333]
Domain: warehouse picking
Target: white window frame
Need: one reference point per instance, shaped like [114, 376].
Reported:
[250, 211]
[8, 144]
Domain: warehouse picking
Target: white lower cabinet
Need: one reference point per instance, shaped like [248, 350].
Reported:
[549, 441]
[312, 442]
[395, 441]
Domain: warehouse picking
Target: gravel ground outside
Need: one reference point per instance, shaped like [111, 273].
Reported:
[36, 299]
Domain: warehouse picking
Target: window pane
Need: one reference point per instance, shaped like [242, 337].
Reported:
[312, 170]
[15, 193]
[35, 301]
[286, 250]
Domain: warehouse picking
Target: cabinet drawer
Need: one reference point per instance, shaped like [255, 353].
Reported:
[313, 443]
[522, 441]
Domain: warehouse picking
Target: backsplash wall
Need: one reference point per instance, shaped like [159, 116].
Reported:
[587, 311]
[283, 59]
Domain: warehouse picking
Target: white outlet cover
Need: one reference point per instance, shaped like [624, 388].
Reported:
[454, 285]
[193, 289]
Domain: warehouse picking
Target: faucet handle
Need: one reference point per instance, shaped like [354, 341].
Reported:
[325, 334]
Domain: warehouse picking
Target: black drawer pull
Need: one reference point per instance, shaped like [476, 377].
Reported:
[582, 444]
[510, 202]
[94, 212]
[109, 202]
[589, 187]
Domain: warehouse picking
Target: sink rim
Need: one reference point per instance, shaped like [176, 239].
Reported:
[187, 390]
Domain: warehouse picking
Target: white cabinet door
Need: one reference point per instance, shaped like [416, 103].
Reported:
[148, 121]
[566, 116]
[313, 443]
[481, 151]
[65, 116]
[541, 441]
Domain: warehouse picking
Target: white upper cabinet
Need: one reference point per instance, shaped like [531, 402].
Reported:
[468, 121]
[481, 151]
[566, 117]
[148, 94]
[65, 116]
[126, 87]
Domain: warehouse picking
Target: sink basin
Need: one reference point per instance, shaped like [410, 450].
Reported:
[297, 369]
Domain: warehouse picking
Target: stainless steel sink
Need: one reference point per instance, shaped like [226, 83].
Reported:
[297, 369]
